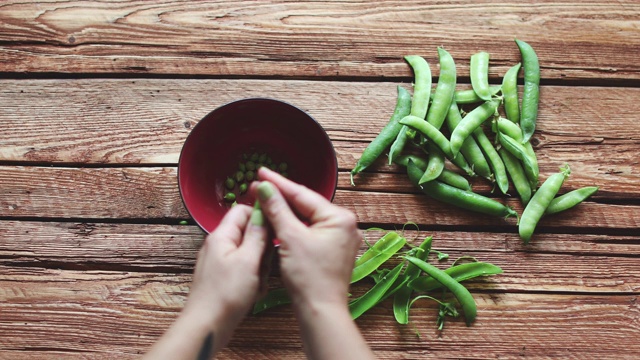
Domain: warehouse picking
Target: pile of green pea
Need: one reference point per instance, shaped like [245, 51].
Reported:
[478, 139]
[237, 183]
[412, 279]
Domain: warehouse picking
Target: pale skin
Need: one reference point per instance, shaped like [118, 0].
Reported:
[221, 295]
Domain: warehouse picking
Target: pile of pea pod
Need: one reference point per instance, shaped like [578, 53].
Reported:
[417, 123]
[413, 275]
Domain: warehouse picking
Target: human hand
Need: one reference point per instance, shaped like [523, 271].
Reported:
[227, 275]
[316, 260]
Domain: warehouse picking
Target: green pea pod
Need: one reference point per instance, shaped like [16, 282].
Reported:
[272, 299]
[435, 164]
[479, 74]
[443, 95]
[531, 92]
[461, 198]
[399, 143]
[469, 148]
[512, 130]
[377, 255]
[447, 176]
[499, 170]
[570, 199]
[510, 93]
[472, 121]
[372, 297]
[459, 273]
[430, 132]
[402, 297]
[519, 151]
[469, 96]
[461, 293]
[518, 176]
[388, 134]
[539, 203]
[421, 85]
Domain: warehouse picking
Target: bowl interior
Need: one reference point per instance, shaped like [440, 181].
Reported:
[215, 146]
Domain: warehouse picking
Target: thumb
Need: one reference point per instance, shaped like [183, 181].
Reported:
[277, 211]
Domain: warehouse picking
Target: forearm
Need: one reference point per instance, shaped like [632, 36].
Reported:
[328, 332]
[192, 336]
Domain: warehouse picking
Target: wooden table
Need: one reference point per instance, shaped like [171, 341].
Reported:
[96, 99]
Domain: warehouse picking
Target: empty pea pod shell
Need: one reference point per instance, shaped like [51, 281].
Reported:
[372, 297]
[380, 252]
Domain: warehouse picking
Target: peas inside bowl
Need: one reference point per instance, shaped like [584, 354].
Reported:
[229, 135]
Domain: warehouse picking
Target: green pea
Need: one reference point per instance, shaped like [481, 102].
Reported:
[254, 157]
[243, 188]
[262, 158]
[245, 156]
[274, 167]
[479, 73]
[269, 160]
[283, 167]
[242, 167]
[386, 136]
[539, 203]
[510, 93]
[183, 222]
[250, 165]
[239, 176]
[250, 175]
[531, 92]
[284, 174]
[570, 199]
[229, 183]
[230, 197]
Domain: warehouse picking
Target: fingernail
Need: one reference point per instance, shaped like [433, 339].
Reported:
[257, 217]
[265, 190]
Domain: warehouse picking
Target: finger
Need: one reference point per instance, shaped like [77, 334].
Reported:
[276, 210]
[255, 235]
[231, 229]
[305, 201]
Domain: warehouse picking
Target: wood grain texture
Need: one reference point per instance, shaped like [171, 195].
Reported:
[121, 314]
[554, 262]
[314, 39]
[152, 193]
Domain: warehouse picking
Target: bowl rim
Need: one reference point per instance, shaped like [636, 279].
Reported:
[268, 99]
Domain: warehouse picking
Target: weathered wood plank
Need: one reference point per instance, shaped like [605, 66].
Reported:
[152, 193]
[141, 247]
[582, 40]
[147, 121]
[121, 314]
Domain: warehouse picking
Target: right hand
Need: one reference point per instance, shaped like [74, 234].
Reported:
[316, 260]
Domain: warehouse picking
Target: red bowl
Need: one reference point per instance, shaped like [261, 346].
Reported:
[215, 146]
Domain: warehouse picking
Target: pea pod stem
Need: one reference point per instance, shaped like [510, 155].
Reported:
[531, 92]
[461, 293]
[386, 136]
[539, 202]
